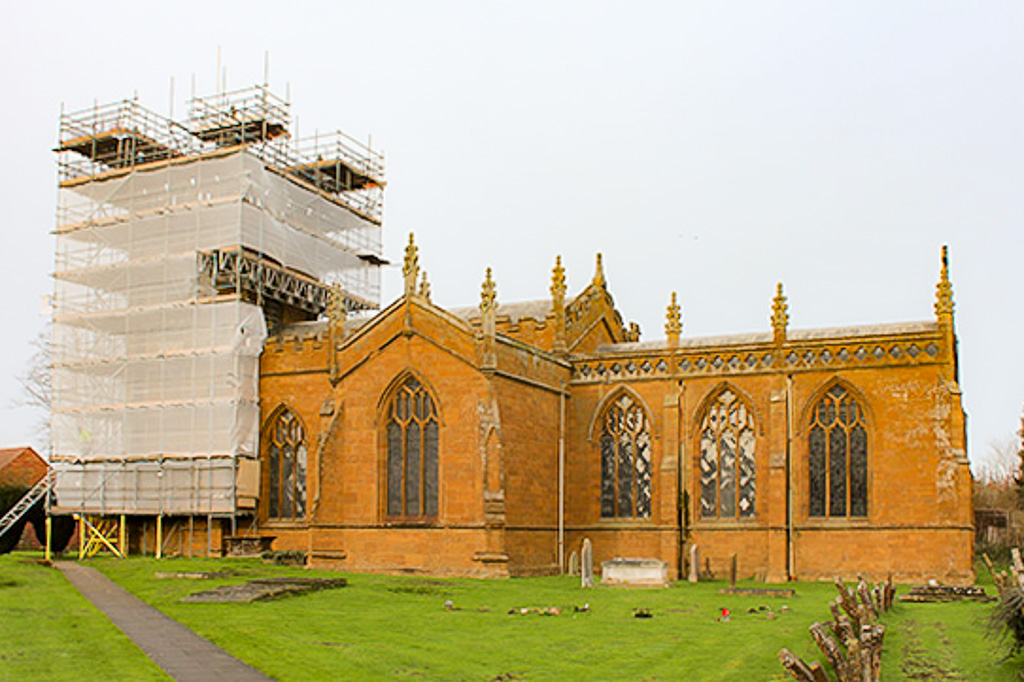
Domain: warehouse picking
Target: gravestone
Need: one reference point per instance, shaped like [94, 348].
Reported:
[708, 574]
[694, 564]
[574, 564]
[587, 569]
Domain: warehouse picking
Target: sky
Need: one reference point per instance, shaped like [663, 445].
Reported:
[707, 148]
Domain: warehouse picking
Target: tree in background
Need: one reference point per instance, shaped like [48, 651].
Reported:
[1020, 465]
[997, 477]
[61, 530]
[35, 387]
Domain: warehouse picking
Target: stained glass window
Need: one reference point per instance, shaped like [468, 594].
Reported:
[287, 455]
[411, 431]
[625, 461]
[838, 457]
[728, 482]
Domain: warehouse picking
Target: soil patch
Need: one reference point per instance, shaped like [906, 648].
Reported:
[262, 590]
[195, 575]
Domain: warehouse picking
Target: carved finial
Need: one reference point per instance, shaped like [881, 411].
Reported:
[944, 289]
[488, 294]
[336, 312]
[599, 280]
[673, 322]
[488, 323]
[424, 287]
[780, 315]
[411, 269]
[558, 343]
[558, 281]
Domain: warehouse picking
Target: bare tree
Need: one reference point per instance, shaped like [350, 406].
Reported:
[1000, 464]
[36, 385]
[996, 483]
[1020, 464]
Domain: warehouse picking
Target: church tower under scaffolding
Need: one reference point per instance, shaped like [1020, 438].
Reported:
[180, 246]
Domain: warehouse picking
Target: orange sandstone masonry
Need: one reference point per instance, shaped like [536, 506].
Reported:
[490, 441]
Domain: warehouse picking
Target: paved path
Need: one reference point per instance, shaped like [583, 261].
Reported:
[182, 654]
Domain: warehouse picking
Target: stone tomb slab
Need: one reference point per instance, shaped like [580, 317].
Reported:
[262, 589]
[194, 575]
[923, 594]
[635, 572]
[783, 593]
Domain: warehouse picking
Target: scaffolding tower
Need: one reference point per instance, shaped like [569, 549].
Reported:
[180, 244]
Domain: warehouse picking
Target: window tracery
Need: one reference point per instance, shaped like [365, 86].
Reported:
[625, 460]
[411, 430]
[727, 459]
[838, 456]
[287, 457]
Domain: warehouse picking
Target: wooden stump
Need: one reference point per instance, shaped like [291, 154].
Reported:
[852, 642]
[812, 672]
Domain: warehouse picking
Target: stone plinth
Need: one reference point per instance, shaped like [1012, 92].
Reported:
[639, 572]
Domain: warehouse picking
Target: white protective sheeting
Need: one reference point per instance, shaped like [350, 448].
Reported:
[156, 377]
[195, 485]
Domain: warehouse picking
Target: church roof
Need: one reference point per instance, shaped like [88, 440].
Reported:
[766, 337]
[8, 455]
[314, 327]
[538, 310]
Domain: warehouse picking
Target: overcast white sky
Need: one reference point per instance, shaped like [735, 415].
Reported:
[709, 148]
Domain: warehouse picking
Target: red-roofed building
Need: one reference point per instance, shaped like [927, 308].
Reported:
[22, 468]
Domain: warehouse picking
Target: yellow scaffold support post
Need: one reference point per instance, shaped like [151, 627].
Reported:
[98, 533]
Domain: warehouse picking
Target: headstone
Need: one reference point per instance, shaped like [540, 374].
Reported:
[694, 564]
[587, 569]
[574, 564]
[708, 574]
[732, 572]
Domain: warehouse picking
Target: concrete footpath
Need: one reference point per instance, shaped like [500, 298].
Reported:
[182, 654]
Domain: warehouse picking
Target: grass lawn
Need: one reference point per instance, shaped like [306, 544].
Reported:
[48, 631]
[381, 628]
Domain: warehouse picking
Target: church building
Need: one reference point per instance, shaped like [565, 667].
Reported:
[224, 379]
[491, 441]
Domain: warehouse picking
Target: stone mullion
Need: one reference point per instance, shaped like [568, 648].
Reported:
[735, 469]
[719, 436]
[849, 478]
[634, 478]
[422, 466]
[404, 426]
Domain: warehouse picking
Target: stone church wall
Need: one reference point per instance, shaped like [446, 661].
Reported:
[498, 401]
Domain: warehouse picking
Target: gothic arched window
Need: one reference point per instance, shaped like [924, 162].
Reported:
[287, 455]
[625, 460]
[838, 456]
[410, 424]
[727, 465]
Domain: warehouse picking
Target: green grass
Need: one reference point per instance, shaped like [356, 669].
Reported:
[382, 628]
[946, 642]
[48, 631]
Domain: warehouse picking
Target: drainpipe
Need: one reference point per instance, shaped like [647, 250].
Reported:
[561, 479]
[790, 542]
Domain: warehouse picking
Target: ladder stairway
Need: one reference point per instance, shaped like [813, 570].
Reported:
[25, 503]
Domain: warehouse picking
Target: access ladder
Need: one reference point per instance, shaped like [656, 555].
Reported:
[38, 491]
